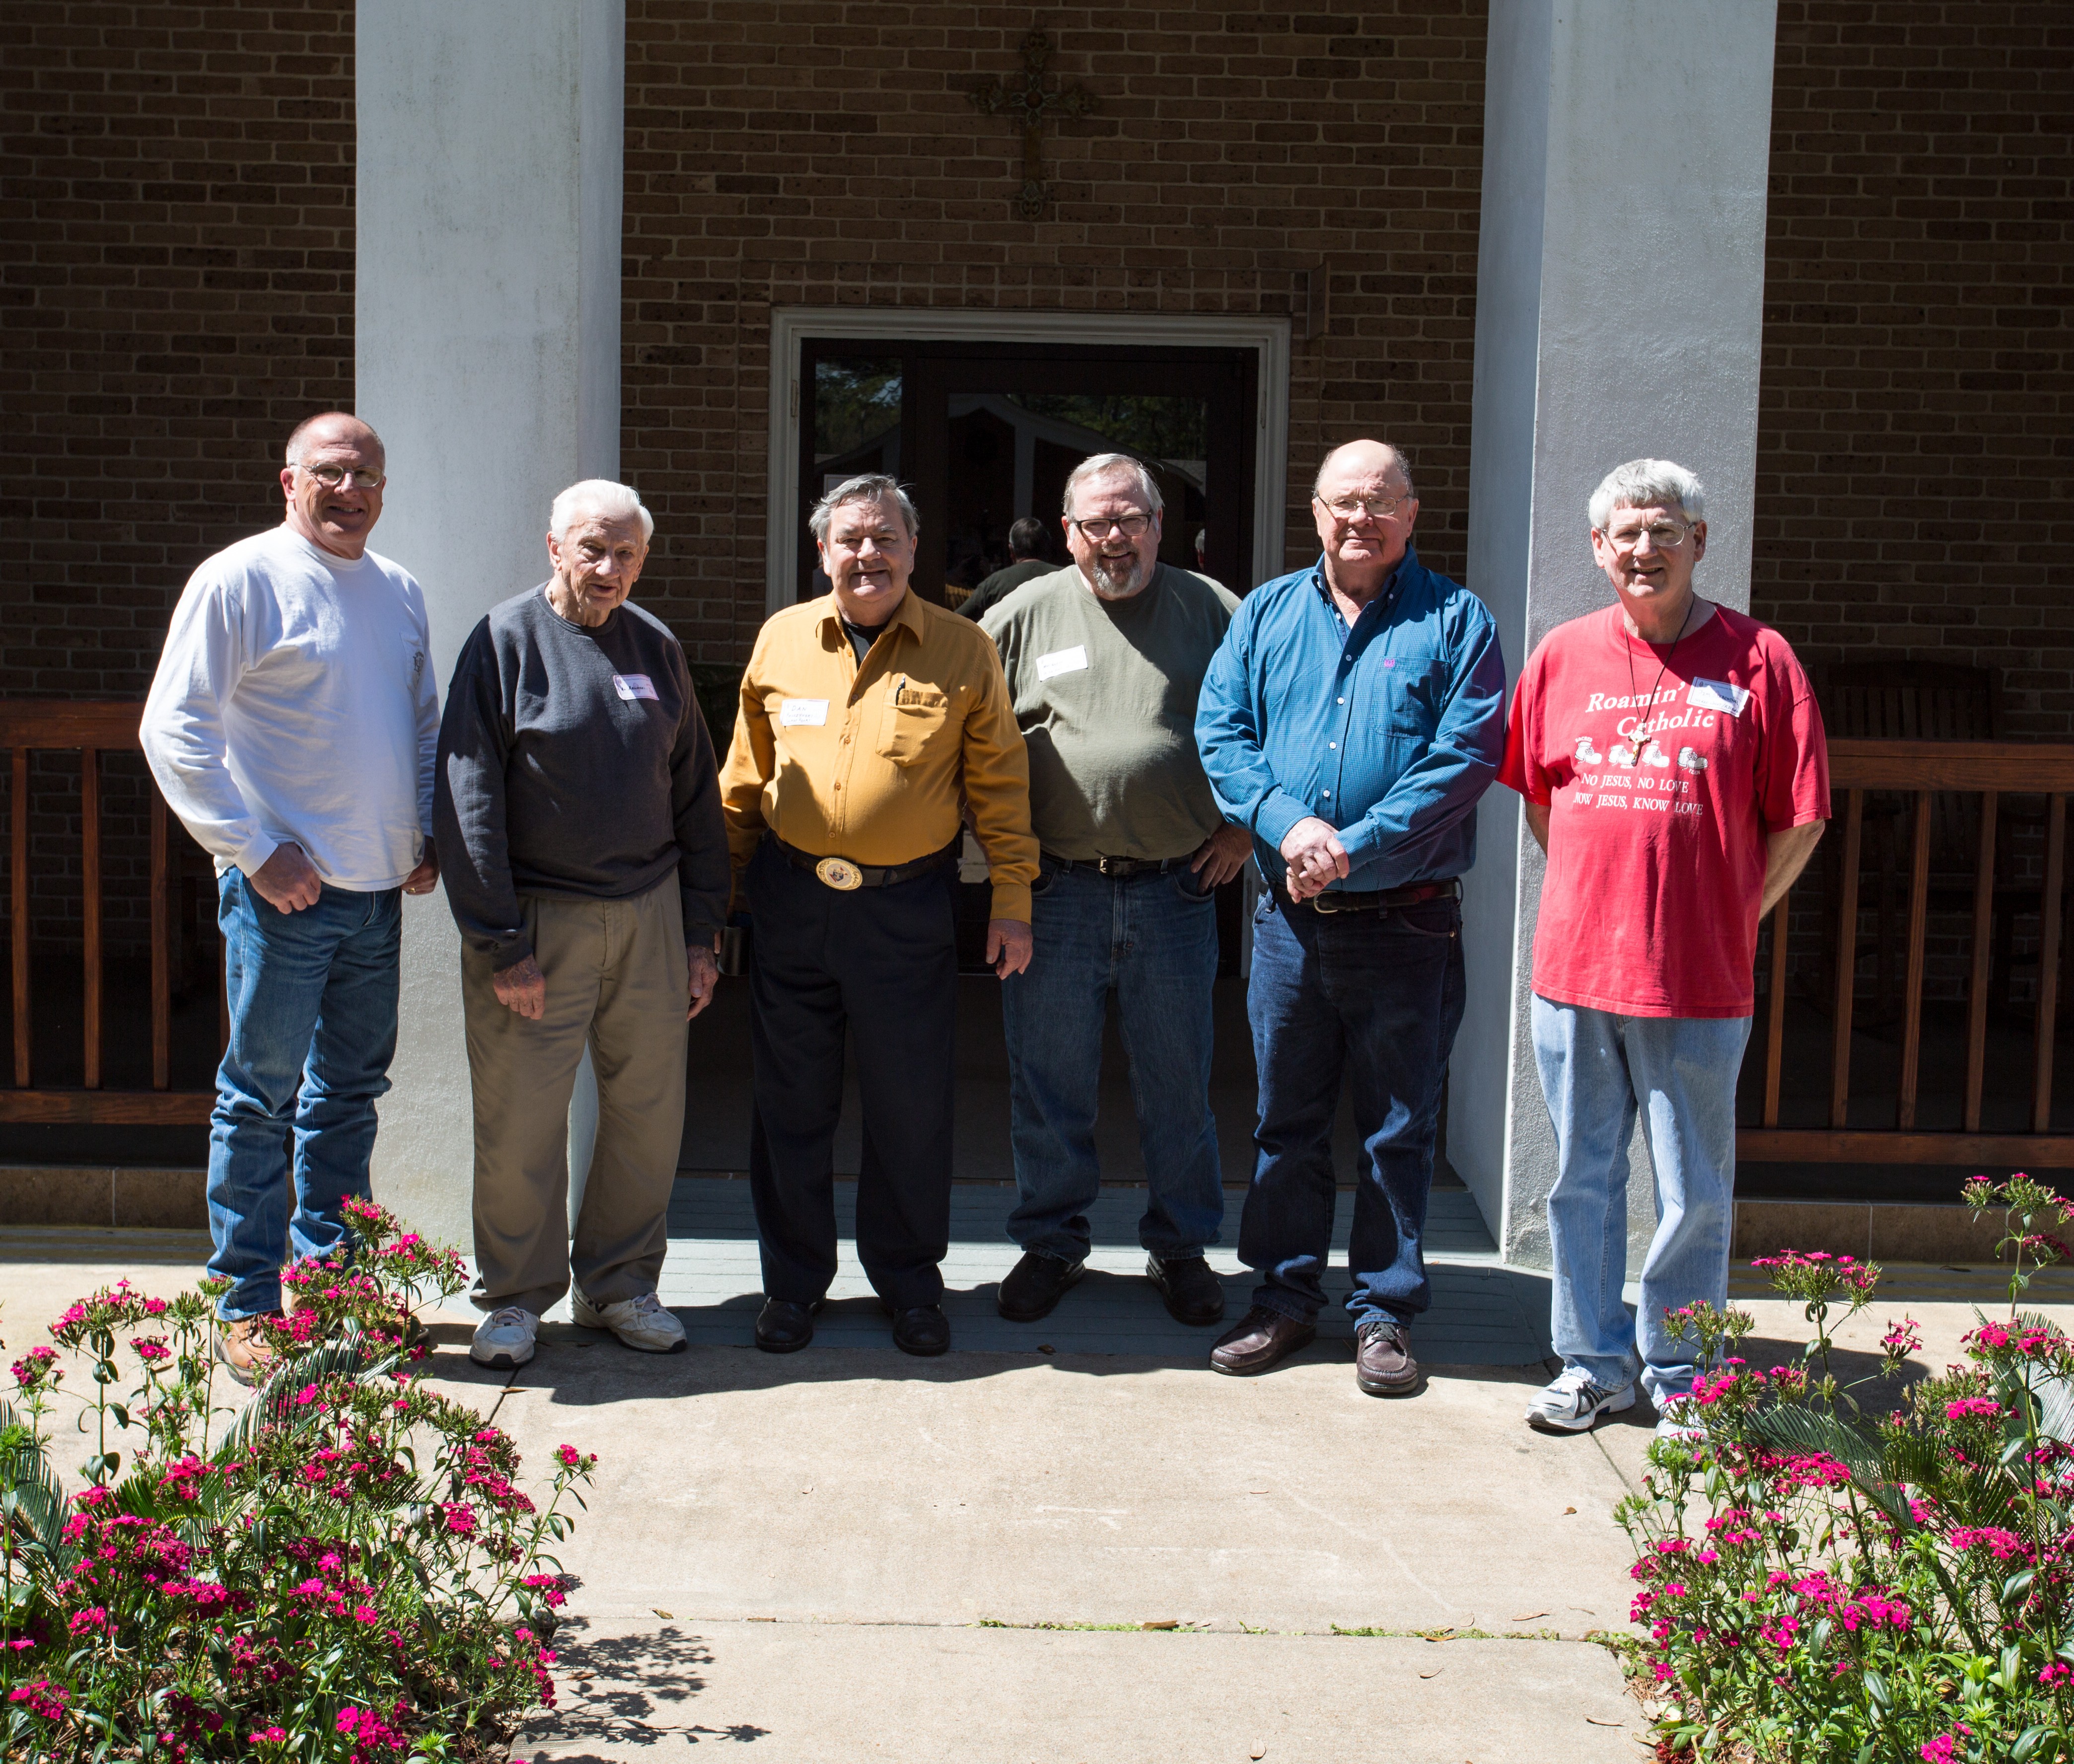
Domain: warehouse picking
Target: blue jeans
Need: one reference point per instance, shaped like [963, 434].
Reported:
[312, 1030]
[1373, 998]
[1595, 1068]
[1152, 939]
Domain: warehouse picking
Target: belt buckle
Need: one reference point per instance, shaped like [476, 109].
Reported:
[1319, 903]
[839, 873]
[1113, 866]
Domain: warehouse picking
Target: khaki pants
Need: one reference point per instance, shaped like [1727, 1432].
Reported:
[615, 974]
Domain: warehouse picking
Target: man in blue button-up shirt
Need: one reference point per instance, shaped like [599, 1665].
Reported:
[1353, 717]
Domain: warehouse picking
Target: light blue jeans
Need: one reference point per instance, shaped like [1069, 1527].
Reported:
[312, 1030]
[1598, 1073]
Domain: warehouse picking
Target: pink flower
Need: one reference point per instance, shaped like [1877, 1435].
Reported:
[1972, 1405]
[1940, 1750]
[42, 1697]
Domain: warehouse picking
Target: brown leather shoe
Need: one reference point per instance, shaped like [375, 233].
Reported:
[1261, 1341]
[246, 1347]
[1383, 1366]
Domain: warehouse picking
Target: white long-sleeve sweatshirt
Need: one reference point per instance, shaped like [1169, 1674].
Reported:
[296, 700]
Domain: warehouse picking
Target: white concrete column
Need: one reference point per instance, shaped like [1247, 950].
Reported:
[490, 136]
[1620, 280]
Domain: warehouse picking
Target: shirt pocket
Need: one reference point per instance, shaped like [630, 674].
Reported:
[1408, 689]
[915, 722]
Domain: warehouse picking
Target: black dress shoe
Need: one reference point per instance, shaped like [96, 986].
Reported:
[925, 1330]
[782, 1327]
[1034, 1284]
[1194, 1296]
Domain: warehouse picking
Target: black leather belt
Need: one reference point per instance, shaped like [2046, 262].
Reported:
[840, 875]
[1379, 900]
[1116, 867]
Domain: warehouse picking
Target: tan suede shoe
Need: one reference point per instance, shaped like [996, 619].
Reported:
[246, 1347]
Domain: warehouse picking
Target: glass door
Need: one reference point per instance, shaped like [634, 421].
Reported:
[985, 434]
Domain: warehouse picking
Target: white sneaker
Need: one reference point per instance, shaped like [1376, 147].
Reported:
[1674, 1421]
[504, 1338]
[641, 1323]
[1573, 1403]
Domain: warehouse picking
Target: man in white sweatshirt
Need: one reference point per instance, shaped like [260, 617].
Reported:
[291, 726]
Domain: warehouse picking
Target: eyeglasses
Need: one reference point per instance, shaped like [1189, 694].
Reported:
[364, 477]
[1095, 530]
[1352, 508]
[1665, 536]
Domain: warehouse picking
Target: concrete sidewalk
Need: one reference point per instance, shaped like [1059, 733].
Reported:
[846, 1554]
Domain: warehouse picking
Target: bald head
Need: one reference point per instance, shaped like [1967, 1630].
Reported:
[327, 426]
[1363, 459]
[333, 481]
[1365, 508]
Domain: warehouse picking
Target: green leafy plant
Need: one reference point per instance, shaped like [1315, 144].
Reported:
[343, 1570]
[1822, 1584]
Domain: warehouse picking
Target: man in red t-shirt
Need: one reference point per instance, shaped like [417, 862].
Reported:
[1672, 760]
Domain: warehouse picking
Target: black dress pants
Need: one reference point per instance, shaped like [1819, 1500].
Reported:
[885, 960]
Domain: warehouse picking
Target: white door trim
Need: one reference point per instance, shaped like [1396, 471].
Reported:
[1265, 333]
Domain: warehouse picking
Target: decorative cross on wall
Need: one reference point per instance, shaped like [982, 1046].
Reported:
[1032, 105]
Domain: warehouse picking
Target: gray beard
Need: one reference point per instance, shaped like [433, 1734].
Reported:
[1106, 588]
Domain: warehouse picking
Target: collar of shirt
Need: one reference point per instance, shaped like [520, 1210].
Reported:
[907, 613]
[1384, 596]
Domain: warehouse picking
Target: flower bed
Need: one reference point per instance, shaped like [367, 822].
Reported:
[1822, 1584]
[346, 1571]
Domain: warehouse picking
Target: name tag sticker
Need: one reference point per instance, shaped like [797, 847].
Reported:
[632, 686]
[1717, 695]
[1062, 661]
[792, 711]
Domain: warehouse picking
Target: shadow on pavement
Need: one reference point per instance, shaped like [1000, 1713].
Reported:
[621, 1691]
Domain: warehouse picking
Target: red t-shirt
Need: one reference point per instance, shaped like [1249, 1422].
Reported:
[1661, 795]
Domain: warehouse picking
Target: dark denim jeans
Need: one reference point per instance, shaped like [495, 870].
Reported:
[1374, 998]
[1153, 939]
[312, 1030]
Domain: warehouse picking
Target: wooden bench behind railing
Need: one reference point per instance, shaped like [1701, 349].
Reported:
[1922, 769]
[91, 728]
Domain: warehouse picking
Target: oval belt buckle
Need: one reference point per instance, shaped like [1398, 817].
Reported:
[839, 874]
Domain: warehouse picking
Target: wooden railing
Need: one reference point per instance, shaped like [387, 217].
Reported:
[1920, 770]
[91, 728]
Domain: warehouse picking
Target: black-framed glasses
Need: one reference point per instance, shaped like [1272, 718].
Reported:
[1098, 527]
[1352, 508]
[361, 477]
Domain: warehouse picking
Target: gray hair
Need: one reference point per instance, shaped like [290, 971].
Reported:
[1648, 484]
[1101, 465]
[1401, 464]
[865, 487]
[601, 497]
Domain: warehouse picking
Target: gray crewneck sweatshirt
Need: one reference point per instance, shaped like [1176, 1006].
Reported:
[573, 763]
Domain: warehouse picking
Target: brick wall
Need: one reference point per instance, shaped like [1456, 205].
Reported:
[1915, 453]
[175, 290]
[827, 153]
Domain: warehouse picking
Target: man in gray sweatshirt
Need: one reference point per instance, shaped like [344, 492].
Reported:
[578, 815]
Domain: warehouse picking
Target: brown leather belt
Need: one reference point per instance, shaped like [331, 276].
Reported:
[1379, 900]
[842, 875]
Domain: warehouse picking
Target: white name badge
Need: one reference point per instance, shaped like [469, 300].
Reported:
[794, 710]
[1717, 695]
[632, 686]
[1062, 661]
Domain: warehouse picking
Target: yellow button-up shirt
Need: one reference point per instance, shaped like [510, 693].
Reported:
[871, 762]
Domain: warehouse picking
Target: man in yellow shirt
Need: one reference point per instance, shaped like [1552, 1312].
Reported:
[868, 719]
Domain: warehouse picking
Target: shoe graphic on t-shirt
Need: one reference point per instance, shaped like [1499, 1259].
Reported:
[1623, 753]
[1654, 755]
[1587, 754]
[1691, 761]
